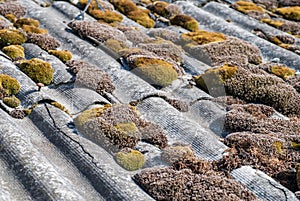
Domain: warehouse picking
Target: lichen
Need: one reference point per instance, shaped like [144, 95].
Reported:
[15, 52]
[115, 45]
[26, 21]
[11, 37]
[283, 72]
[130, 160]
[274, 23]
[11, 7]
[176, 152]
[185, 21]
[18, 114]
[291, 13]
[12, 101]
[9, 84]
[246, 7]
[153, 134]
[38, 70]
[44, 41]
[63, 55]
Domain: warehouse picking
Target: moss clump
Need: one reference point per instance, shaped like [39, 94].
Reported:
[115, 45]
[63, 55]
[60, 106]
[11, 17]
[175, 153]
[33, 29]
[159, 7]
[291, 13]
[282, 71]
[216, 76]
[130, 159]
[38, 70]
[185, 21]
[246, 7]
[26, 21]
[124, 6]
[155, 71]
[11, 37]
[274, 23]
[12, 102]
[106, 16]
[14, 51]
[127, 127]
[202, 37]
[9, 84]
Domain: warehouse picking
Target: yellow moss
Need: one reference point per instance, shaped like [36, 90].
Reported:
[14, 51]
[159, 8]
[216, 76]
[115, 45]
[285, 46]
[155, 71]
[141, 17]
[295, 145]
[278, 146]
[291, 13]
[10, 84]
[127, 127]
[11, 37]
[273, 23]
[12, 101]
[38, 70]
[26, 21]
[89, 114]
[33, 29]
[130, 159]
[185, 21]
[63, 55]
[275, 40]
[282, 71]
[246, 7]
[124, 6]
[202, 37]
[11, 17]
[60, 106]
[107, 16]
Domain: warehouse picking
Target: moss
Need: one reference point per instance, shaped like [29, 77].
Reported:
[202, 37]
[12, 102]
[107, 16]
[38, 70]
[130, 159]
[26, 21]
[246, 7]
[278, 146]
[14, 51]
[11, 17]
[63, 55]
[124, 6]
[156, 71]
[115, 45]
[175, 153]
[295, 145]
[11, 37]
[33, 29]
[216, 76]
[10, 84]
[185, 21]
[274, 23]
[159, 7]
[127, 127]
[60, 106]
[291, 13]
[141, 17]
[282, 71]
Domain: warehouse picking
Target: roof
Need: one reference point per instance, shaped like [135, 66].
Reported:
[160, 101]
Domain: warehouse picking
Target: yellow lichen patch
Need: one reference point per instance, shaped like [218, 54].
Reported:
[89, 114]
[12, 101]
[142, 17]
[26, 21]
[38, 70]
[246, 7]
[216, 76]
[10, 84]
[274, 23]
[115, 45]
[202, 37]
[11, 37]
[291, 13]
[130, 159]
[33, 29]
[155, 71]
[14, 51]
[295, 145]
[11, 17]
[185, 21]
[60, 106]
[282, 71]
[278, 147]
[63, 55]
[106, 16]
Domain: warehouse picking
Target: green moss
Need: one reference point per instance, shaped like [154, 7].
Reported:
[291, 13]
[33, 29]
[26, 21]
[202, 37]
[185, 21]
[155, 71]
[130, 159]
[11, 17]
[295, 145]
[282, 71]
[142, 17]
[273, 23]
[246, 7]
[38, 70]
[89, 114]
[216, 76]
[14, 51]
[60, 106]
[11, 37]
[10, 84]
[12, 101]
[63, 55]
